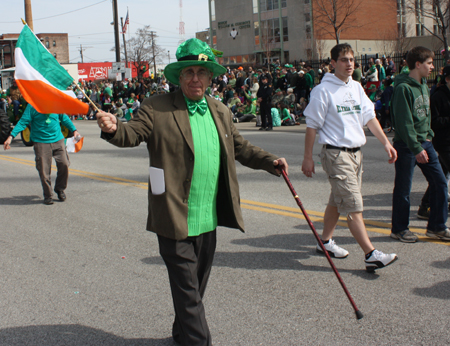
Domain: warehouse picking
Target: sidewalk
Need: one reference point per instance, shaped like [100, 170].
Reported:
[250, 126]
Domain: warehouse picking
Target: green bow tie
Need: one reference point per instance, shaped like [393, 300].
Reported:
[197, 106]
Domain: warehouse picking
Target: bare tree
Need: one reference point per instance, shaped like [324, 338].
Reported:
[336, 16]
[267, 39]
[392, 41]
[143, 51]
[439, 13]
[320, 47]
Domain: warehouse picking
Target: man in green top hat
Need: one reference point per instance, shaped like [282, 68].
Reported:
[193, 145]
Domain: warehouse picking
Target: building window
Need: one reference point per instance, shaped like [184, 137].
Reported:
[401, 8]
[255, 6]
[54, 54]
[213, 10]
[54, 43]
[306, 1]
[285, 29]
[435, 29]
[307, 17]
[47, 44]
[401, 27]
[269, 5]
[271, 31]
[420, 30]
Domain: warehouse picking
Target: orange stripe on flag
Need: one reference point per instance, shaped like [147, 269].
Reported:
[79, 145]
[47, 99]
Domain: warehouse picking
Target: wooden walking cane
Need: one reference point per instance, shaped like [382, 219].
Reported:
[358, 313]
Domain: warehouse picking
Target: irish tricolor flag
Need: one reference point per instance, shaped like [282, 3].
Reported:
[42, 81]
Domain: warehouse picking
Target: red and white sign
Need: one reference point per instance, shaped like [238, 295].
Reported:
[99, 71]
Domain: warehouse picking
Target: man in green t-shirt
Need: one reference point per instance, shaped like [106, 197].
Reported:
[48, 143]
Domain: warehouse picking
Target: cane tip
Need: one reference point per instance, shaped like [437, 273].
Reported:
[359, 314]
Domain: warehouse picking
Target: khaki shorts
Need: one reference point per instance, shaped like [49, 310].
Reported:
[344, 170]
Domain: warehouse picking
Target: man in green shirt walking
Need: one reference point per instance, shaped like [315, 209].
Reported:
[48, 142]
[193, 145]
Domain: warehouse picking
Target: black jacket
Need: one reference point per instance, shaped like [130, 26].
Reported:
[386, 97]
[265, 92]
[440, 118]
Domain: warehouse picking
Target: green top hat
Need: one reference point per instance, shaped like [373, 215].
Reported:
[193, 52]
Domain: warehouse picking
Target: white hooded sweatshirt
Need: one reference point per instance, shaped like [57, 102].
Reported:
[339, 111]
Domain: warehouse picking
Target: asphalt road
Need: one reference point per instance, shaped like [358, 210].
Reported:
[86, 272]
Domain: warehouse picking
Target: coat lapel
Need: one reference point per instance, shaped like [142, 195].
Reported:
[182, 118]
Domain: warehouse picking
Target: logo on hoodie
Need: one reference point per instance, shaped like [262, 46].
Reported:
[421, 105]
[349, 104]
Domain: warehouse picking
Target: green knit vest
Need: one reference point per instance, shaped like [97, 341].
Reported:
[202, 214]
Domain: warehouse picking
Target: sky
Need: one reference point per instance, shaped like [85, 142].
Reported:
[88, 23]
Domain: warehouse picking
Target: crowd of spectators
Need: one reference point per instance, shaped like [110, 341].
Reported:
[278, 92]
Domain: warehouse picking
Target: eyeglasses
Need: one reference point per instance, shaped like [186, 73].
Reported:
[202, 74]
[345, 60]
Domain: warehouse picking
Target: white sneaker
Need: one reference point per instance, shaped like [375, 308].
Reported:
[333, 250]
[378, 260]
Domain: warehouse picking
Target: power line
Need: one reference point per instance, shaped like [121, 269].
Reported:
[95, 33]
[57, 15]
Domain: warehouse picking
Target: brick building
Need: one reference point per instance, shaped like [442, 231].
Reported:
[255, 31]
[57, 44]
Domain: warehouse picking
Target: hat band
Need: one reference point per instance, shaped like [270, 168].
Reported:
[200, 57]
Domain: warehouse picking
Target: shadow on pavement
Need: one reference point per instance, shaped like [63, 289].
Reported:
[301, 248]
[21, 200]
[439, 290]
[70, 335]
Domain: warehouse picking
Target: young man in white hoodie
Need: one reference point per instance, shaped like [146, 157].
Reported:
[338, 111]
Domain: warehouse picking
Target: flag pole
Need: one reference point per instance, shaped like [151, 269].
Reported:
[87, 98]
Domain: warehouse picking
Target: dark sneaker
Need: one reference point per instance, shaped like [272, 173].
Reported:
[333, 250]
[405, 236]
[262, 128]
[379, 260]
[48, 201]
[269, 129]
[61, 195]
[423, 213]
[442, 235]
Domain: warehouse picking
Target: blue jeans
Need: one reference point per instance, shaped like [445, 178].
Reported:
[404, 169]
[16, 105]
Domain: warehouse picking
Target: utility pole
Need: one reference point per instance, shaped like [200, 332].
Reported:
[116, 30]
[82, 50]
[81, 53]
[168, 55]
[124, 43]
[154, 57]
[28, 14]
[124, 48]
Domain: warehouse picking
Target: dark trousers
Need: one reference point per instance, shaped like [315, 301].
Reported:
[266, 115]
[385, 119]
[44, 153]
[444, 159]
[432, 170]
[189, 264]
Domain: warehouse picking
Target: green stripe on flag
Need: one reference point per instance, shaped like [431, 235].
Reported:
[42, 60]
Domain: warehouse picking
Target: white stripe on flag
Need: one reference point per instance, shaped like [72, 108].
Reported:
[24, 71]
